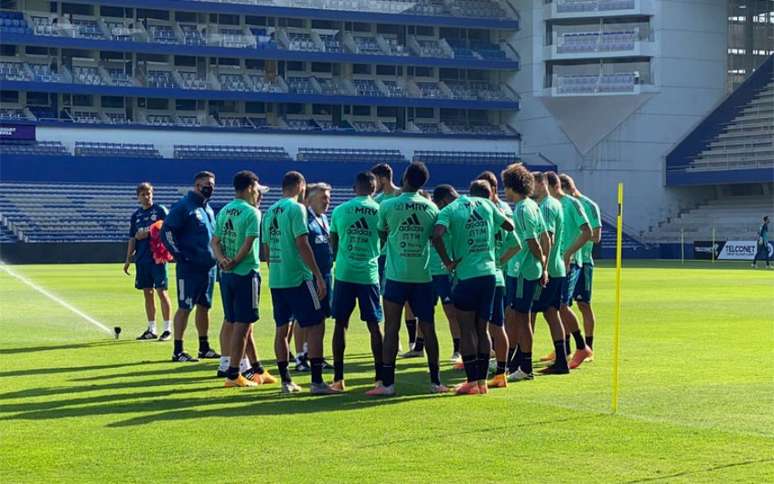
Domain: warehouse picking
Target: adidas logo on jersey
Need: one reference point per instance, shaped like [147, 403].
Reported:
[359, 228]
[475, 220]
[411, 224]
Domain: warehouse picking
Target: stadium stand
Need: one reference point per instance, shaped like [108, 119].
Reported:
[42, 148]
[209, 152]
[465, 157]
[732, 218]
[345, 155]
[123, 150]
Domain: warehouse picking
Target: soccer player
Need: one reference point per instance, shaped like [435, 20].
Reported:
[237, 250]
[762, 248]
[526, 274]
[576, 232]
[317, 200]
[149, 275]
[186, 233]
[472, 222]
[549, 298]
[386, 190]
[407, 221]
[296, 283]
[443, 195]
[582, 293]
[355, 241]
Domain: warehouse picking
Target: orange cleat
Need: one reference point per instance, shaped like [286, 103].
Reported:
[467, 388]
[498, 381]
[240, 382]
[382, 391]
[549, 357]
[267, 378]
[483, 387]
[338, 386]
[579, 356]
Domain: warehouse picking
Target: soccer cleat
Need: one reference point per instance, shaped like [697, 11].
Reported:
[467, 388]
[326, 366]
[554, 370]
[520, 375]
[302, 364]
[183, 357]
[438, 388]
[413, 354]
[240, 382]
[498, 381]
[165, 336]
[147, 335]
[210, 354]
[483, 387]
[339, 386]
[381, 391]
[322, 389]
[459, 366]
[589, 359]
[579, 356]
[492, 365]
[549, 357]
[266, 378]
[456, 357]
[290, 387]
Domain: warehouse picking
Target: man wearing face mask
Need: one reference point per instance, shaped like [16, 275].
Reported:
[187, 233]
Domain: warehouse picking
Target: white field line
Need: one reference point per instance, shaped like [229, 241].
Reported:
[55, 298]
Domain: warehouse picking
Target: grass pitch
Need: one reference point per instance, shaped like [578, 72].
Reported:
[697, 396]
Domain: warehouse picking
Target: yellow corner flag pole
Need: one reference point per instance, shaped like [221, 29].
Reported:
[617, 333]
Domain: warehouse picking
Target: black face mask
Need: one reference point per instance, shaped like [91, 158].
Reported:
[206, 191]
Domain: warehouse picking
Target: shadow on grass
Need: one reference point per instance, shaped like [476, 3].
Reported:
[72, 346]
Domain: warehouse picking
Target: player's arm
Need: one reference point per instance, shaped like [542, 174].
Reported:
[173, 223]
[130, 248]
[266, 252]
[596, 235]
[584, 237]
[305, 250]
[244, 251]
[334, 244]
[301, 234]
[438, 232]
[595, 222]
[223, 261]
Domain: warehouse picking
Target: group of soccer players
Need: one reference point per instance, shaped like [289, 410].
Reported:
[492, 267]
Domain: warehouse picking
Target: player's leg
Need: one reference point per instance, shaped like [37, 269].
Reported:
[393, 301]
[166, 311]
[283, 314]
[466, 305]
[416, 341]
[454, 330]
[225, 340]
[570, 321]
[423, 305]
[150, 315]
[299, 338]
[310, 315]
[510, 322]
[203, 301]
[522, 305]
[484, 351]
[582, 295]
[499, 339]
[185, 287]
[343, 305]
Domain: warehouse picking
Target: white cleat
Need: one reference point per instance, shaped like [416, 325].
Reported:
[290, 387]
[519, 375]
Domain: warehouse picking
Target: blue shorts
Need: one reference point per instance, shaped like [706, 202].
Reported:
[442, 285]
[498, 307]
[419, 295]
[299, 303]
[326, 301]
[549, 296]
[150, 276]
[195, 289]
[240, 296]
[365, 295]
[568, 288]
[475, 294]
[582, 291]
[521, 294]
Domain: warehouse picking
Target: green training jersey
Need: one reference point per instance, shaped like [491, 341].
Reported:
[553, 216]
[574, 218]
[381, 197]
[408, 220]
[504, 241]
[529, 225]
[284, 222]
[237, 221]
[358, 250]
[436, 264]
[472, 223]
[595, 221]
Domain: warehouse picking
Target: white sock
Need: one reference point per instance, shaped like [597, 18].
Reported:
[244, 365]
[306, 348]
[168, 325]
[152, 326]
[225, 361]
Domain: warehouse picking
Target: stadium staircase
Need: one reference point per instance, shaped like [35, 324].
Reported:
[735, 142]
[732, 217]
